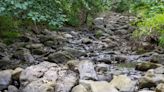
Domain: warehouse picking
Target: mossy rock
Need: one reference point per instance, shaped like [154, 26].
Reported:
[146, 66]
[127, 65]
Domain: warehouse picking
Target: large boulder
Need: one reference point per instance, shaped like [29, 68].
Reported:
[151, 79]
[66, 80]
[41, 85]
[146, 91]
[146, 66]
[79, 88]
[47, 77]
[123, 83]
[74, 52]
[97, 86]
[160, 87]
[157, 58]
[103, 72]
[16, 73]
[86, 70]
[5, 78]
[60, 57]
[36, 72]
[24, 55]
[12, 88]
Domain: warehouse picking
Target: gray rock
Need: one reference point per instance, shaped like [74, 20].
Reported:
[74, 52]
[41, 85]
[97, 86]
[160, 87]
[156, 58]
[4, 60]
[66, 81]
[5, 78]
[121, 31]
[151, 79]
[86, 70]
[16, 73]
[103, 72]
[47, 77]
[44, 70]
[146, 91]
[87, 41]
[24, 55]
[12, 88]
[68, 36]
[159, 70]
[73, 64]
[79, 88]
[123, 83]
[60, 57]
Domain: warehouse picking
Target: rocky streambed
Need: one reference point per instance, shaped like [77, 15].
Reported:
[104, 58]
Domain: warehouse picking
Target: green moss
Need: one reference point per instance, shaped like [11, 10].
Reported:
[7, 23]
[127, 65]
[9, 37]
[98, 33]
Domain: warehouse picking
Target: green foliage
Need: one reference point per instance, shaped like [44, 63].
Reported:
[52, 12]
[36, 10]
[8, 24]
[121, 5]
[152, 18]
[9, 37]
[147, 8]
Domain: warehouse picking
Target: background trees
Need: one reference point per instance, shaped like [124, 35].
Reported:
[56, 13]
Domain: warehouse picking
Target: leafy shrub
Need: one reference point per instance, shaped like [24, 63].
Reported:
[152, 19]
[8, 24]
[121, 5]
[52, 12]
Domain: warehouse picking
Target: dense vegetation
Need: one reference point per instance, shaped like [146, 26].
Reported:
[56, 13]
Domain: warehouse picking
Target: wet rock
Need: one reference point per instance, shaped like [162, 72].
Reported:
[60, 57]
[12, 88]
[99, 86]
[66, 81]
[146, 66]
[5, 78]
[16, 73]
[79, 88]
[86, 70]
[156, 58]
[160, 87]
[123, 83]
[150, 79]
